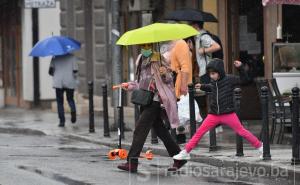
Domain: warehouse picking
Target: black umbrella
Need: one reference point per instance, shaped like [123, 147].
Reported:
[191, 15]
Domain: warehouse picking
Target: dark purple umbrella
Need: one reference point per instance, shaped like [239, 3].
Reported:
[191, 15]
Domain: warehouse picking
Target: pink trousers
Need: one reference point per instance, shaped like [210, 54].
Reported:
[227, 119]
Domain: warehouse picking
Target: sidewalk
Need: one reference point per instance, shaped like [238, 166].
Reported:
[37, 122]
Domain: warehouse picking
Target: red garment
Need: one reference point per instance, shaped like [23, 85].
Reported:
[212, 121]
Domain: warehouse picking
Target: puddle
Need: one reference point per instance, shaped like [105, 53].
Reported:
[54, 176]
[64, 141]
[35, 156]
[74, 149]
[21, 131]
[229, 182]
[37, 120]
[93, 161]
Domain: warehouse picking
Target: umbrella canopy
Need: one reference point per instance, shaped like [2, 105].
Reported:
[191, 15]
[54, 46]
[157, 32]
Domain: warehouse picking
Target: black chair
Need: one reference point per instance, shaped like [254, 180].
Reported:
[284, 104]
[274, 111]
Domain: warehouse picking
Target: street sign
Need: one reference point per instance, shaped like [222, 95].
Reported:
[39, 3]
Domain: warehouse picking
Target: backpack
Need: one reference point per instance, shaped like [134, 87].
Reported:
[217, 54]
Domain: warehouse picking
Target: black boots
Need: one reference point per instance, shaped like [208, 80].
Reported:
[73, 120]
[130, 167]
[61, 124]
[177, 165]
[73, 117]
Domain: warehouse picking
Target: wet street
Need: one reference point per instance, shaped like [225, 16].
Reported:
[39, 159]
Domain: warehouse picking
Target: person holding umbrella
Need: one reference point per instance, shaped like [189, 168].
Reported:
[160, 81]
[63, 68]
[153, 90]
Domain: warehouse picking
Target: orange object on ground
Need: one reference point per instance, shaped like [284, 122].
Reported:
[148, 155]
[121, 153]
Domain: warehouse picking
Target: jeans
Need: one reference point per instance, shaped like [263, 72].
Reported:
[202, 104]
[60, 102]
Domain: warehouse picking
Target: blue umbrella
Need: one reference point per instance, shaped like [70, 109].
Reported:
[55, 45]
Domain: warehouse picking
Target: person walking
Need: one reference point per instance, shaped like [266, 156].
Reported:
[204, 47]
[153, 75]
[181, 65]
[221, 106]
[177, 53]
[64, 69]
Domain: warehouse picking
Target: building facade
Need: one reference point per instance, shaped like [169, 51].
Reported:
[17, 87]
[87, 21]
[246, 28]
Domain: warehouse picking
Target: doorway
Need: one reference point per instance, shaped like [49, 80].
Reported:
[10, 35]
[243, 37]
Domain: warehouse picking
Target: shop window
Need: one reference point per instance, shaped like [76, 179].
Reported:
[291, 26]
[286, 58]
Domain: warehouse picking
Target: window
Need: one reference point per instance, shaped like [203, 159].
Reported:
[291, 27]
[286, 57]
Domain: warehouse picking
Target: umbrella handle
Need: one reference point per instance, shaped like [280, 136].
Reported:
[160, 63]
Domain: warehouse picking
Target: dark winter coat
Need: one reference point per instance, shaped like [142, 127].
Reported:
[221, 96]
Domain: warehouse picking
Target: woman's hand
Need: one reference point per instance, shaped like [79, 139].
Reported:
[163, 70]
[237, 63]
[202, 51]
[198, 86]
[125, 86]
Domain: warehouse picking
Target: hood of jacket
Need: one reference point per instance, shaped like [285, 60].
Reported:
[216, 65]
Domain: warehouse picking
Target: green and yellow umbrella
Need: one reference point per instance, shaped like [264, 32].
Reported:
[157, 32]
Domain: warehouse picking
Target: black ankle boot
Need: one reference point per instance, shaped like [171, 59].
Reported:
[73, 117]
[177, 165]
[61, 124]
[130, 167]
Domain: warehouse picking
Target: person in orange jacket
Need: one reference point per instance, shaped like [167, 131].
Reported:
[181, 64]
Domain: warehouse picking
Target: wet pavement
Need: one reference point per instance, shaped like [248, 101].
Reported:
[34, 149]
[32, 159]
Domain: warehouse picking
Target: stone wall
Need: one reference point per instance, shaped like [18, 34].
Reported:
[86, 20]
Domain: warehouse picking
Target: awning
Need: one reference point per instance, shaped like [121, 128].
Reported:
[266, 2]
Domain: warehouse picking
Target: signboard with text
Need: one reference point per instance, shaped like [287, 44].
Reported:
[39, 4]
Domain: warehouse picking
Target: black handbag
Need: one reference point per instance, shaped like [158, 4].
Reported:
[142, 97]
